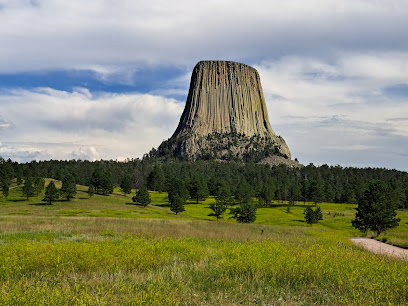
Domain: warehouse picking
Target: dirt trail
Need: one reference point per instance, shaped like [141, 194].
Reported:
[380, 247]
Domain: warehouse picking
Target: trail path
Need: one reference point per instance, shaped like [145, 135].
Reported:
[380, 247]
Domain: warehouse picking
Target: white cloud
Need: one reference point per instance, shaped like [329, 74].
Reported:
[325, 67]
[62, 125]
[320, 106]
[108, 36]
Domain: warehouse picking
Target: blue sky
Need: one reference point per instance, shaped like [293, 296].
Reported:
[108, 79]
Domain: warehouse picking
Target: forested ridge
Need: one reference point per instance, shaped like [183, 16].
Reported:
[310, 183]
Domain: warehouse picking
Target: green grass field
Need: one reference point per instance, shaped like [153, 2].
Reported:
[105, 250]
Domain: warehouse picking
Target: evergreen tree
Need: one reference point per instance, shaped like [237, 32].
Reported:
[19, 176]
[313, 216]
[156, 179]
[243, 192]
[51, 193]
[178, 188]
[222, 201]
[316, 191]
[106, 184]
[6, 188]
[28, 188]
[318, 214]
[309, 215]
[142, 196]
[69, 188]
[198, 189]
[294, 193]
[376, 210]
[396, 192]
[266, 195]
[177, 204]
[39, 184]
[91, 190]
[245, 213]
[126, 184]
[218, 209]
[102, 182]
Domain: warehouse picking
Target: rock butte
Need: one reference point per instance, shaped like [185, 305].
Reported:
[225, 117]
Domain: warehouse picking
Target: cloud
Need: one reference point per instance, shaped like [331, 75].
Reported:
[329, 112]
[108, 36]
[333, 73]
[89, 153]
[79, 124]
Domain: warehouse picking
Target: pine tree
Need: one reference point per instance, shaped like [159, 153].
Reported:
[245, 213]
[177, 204]
[142, 196]
[126, 184]
[313, 216]
[91, 190]
[51, 193]
[39, 184]
[28, 188]
[156, 179]
[376, 210]
[309, 215]
[218, 209]
[69, 188]
[198, 189]
[316, 191]
[6, 188]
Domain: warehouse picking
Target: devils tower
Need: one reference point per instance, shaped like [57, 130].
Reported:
[225, 117]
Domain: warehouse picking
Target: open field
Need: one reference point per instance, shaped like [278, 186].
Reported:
[105, 250]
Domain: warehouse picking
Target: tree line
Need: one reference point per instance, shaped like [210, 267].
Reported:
[198, 179]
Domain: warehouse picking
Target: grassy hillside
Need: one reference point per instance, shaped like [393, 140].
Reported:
[104, 250]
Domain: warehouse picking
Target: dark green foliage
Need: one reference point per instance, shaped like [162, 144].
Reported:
[178, 188]
[142, 197]
[19, 176]
[28, 188]
[177, 204]
[267, 194]
[126, 185]
[91, 190]
[339, 184]
[318, 214]
[316, 191]
[396, 192]
[243, 192]
[156, 179]
[309, 215]
[245, 213]
[39, 184]
[51, 193]
[294, 193]
[5, 188]
[102, 182]
[218, 209]
[313, 216]
[222, 201]
[68, 188]
[198, 189]
[376, 210]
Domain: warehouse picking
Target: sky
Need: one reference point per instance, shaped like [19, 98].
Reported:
[105, 79]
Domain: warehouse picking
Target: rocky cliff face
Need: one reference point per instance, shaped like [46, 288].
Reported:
[225, 117]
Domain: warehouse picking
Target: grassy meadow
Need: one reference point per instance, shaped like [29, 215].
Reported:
[106, 251]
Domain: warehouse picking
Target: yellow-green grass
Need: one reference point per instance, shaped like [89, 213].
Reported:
[306, 267]
[336, 216]
[105, 250]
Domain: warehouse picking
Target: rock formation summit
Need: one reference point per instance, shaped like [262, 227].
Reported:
[225, 117]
